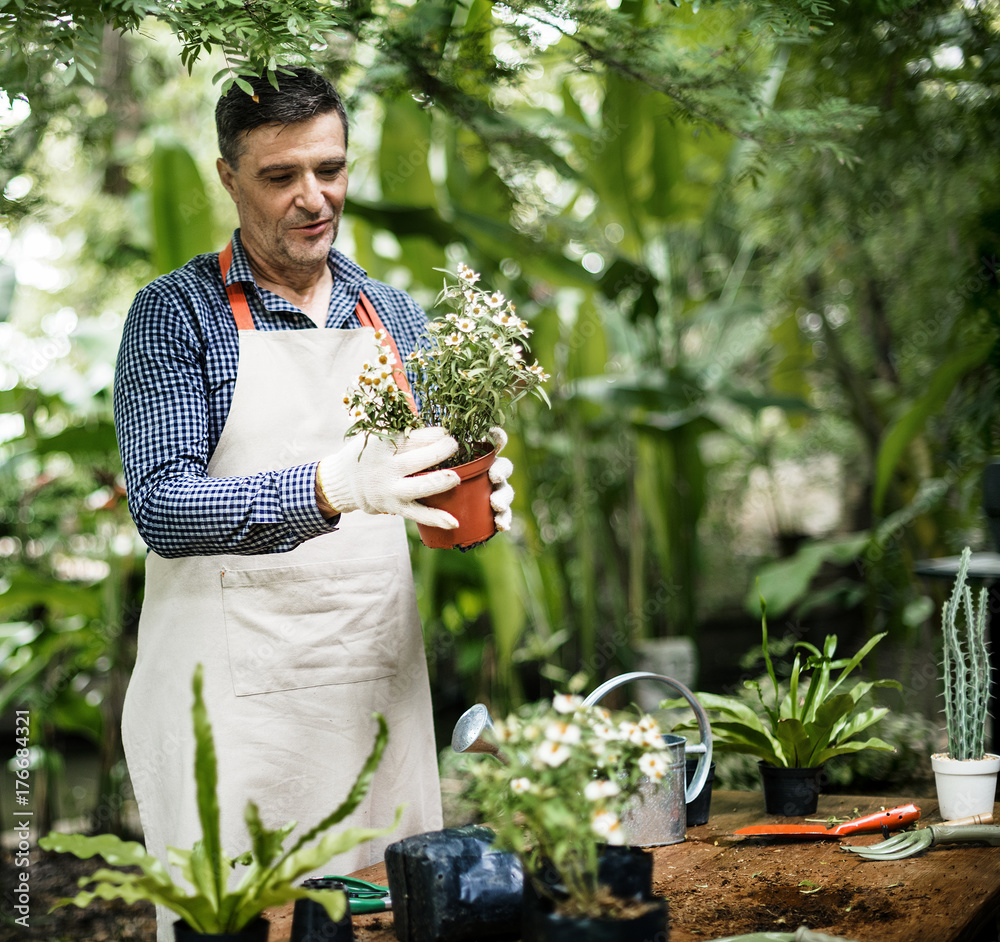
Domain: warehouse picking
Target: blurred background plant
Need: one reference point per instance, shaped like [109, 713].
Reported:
[755, 243]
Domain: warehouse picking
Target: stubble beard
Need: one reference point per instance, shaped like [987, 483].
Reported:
[307, 255]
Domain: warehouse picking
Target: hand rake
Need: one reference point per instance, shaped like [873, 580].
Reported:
[962, 830]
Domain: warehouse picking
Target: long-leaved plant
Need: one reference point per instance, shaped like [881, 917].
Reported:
[208, 905]
[802, 723]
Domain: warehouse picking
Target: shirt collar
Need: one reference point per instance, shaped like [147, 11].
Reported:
[343, 268]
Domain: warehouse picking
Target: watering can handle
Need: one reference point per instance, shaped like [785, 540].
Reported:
[704, 749]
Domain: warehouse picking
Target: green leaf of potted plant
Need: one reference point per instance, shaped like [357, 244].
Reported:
[794, 728]
[557, 800]
[468, 371]
[210, 908]
[965, 776]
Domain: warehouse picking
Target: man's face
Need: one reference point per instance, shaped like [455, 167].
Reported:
[289, 192]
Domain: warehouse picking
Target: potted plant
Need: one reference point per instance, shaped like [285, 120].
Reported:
[468, 370]
[965, 776]
[210, 908]
[794, 728]
[557, 799]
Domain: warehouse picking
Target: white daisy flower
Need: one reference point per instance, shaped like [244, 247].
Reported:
[520, 785]
[563, 731]
[652, 737]
[606, 824]
[653, 766]
[600, 788]
[467, 274]
[605, 731]
[465, 324]
[507, 729]
[567, 702]
[452, 340]
[552, 753]
[630, 731]
[495, 299]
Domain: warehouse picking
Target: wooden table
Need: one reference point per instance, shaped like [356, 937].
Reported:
[718, 885]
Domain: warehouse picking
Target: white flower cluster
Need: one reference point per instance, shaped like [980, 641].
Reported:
[595, 755]
[484, 320]
[467, 371]
[375, 397]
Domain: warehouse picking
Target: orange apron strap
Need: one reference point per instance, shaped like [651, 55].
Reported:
[369, 318]
[237, 298]
[366, 314]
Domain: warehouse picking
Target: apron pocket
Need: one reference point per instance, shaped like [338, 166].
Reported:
[309, 626]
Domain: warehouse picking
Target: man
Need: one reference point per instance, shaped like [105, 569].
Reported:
[278, 550]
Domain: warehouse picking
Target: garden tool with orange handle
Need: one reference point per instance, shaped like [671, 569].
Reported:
[891, 820]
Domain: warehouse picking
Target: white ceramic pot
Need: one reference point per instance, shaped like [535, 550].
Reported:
[965, 786]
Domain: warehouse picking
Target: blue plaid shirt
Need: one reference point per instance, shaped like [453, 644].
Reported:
[174, 385]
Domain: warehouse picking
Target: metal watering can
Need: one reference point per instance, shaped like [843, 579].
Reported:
[658, 816]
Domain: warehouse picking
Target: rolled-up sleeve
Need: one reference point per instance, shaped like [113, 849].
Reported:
[162, 415]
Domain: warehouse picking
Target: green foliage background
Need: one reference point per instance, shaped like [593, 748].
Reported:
[756, 242]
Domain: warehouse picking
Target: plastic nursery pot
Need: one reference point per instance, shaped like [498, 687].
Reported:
[310, 922]
[628, 873]
[965, 787]
[697, 810]
[649, 926]
[468, 503]
[791, 792]
[255, 931]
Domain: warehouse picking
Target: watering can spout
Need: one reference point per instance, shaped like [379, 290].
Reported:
[474, 733]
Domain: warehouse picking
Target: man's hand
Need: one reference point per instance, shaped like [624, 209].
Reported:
[503, 493]
[376, 478]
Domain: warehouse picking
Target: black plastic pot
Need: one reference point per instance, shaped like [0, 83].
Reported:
[651, 926]
[310, 922]
[627, 872]
[791, 792]
[255, 931]
[697, 810]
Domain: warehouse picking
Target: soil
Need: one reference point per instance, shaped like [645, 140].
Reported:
[779, 901]
[54, 877]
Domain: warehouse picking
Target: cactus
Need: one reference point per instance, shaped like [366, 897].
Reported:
[966, 668]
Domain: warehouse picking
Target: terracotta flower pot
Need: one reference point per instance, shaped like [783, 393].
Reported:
[468, 503]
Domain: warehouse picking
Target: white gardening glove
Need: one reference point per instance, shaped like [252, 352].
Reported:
[376, 478]
[503, 493]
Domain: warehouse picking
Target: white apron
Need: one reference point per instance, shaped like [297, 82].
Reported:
[299, 648]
